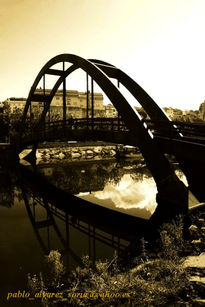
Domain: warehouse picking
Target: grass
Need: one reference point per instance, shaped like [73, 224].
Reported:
[152, 279]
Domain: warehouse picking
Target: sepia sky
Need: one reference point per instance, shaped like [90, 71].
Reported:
[159, 43]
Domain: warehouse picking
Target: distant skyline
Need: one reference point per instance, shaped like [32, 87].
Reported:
[159, 43]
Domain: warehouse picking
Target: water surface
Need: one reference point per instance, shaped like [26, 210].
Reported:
[30, 227]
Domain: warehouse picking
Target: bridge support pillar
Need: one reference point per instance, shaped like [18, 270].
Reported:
[31, 157]
[194, 172]
[172, 200]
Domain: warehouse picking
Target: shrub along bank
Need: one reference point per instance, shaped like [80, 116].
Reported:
[156, 276]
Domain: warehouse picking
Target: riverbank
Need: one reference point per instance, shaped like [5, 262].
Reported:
[163, 273]
[78, 151]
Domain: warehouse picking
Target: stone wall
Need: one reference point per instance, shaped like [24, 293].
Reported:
[87, 152]
[82, 152]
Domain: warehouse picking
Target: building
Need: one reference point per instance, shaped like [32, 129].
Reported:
[76, 104]
[202, 111]
[15, 104]
[1, 107]
[110, 111]
[173, 113]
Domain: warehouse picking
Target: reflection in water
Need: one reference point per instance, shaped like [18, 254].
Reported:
[128, 196]
[124, 186]
[53, 214]
[121, 186]
[6, 189]
[43, 221]
[32, 225]
[57, 229]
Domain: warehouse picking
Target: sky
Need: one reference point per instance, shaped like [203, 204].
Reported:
[159, 43]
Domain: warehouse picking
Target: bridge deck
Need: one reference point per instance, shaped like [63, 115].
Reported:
[181, 139]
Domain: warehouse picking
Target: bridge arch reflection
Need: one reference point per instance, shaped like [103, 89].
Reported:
[103, 228]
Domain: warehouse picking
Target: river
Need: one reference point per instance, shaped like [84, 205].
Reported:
[31, 226]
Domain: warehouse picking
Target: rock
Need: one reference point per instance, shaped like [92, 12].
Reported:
[38, 155]
[75, 155]
[112, 153]
[105, 152]
[199, 302]
[61, 155]
[97, 150]
[199, 288]
[201, 221]
[195, 261]
[89, 152]
[196, 242]
[89, 157]
[47, 156]
[193, 228]
[195, 265]
[83, 153]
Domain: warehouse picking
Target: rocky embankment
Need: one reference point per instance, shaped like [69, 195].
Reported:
[195, 264]
[69, 152]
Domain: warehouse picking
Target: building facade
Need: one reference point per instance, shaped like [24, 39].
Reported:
[110, 111]
[15, 104]
[202, 111]
[76, 104]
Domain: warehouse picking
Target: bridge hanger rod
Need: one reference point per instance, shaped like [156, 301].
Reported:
[64, 94]
[44, 88]
[118, 115]
[87, 98]
[92, 102]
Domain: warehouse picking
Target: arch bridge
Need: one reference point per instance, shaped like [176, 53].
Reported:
[155, 137]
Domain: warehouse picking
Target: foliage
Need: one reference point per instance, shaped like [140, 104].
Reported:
[153, 281]
[171, 235]
[55, 267]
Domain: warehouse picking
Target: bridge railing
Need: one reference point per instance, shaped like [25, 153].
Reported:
[171, 130]
[55, 128]
[176, 129]
[113, 124]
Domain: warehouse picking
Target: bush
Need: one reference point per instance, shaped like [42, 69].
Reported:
[155, 282]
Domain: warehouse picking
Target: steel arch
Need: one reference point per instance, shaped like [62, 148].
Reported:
[127, 112]
[150, 106]
[156, 161]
